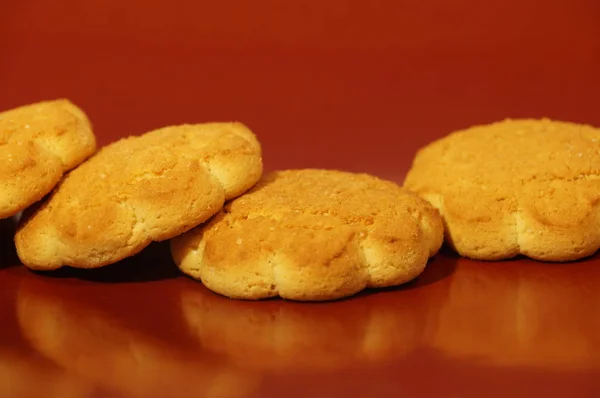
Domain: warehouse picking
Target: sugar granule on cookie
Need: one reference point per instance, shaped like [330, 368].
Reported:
[38, 144]
[138, 190]
[521, 186]
[312, 235]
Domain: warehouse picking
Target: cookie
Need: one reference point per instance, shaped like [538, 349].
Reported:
[312, 235]
[138, 190]
[38, 144]
[522, 186]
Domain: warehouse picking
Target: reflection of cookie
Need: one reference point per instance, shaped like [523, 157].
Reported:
[139, 190]
[38, 143]
[24, 375]
[531, 316]
[99, 347]
[312, 235]
[518, 186]
[281, 335]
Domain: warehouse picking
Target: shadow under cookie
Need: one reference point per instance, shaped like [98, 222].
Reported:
[154, 263]
[8, 252]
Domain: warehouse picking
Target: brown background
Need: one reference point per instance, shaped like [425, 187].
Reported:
[348, 84]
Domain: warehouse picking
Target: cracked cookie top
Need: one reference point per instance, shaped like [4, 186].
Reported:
[514, 187]
[138, 190]
[312, 235]
[38, 144]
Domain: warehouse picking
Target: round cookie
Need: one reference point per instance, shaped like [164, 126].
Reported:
[514, 187]
[312, 235]
[38, 144]
[138, 190]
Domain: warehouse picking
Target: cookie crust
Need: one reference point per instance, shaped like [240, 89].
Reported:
[38, 144]
[312, 235]
[521, 186]
[138, 190]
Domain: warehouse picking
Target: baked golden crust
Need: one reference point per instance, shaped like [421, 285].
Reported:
[38, 143]
[514, 187]
[312, 235]
[138, 190]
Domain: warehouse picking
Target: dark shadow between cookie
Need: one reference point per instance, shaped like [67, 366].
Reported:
[439, 267]
[151, 264]
[8, 252]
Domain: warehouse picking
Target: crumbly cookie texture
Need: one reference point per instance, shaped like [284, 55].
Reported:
[138, 190]
[515, 187]
[312, 235]
[38, 144]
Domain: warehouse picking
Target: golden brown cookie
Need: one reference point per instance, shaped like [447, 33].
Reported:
[138, 190]
[514, 187]
[38, 144]
[312, 235]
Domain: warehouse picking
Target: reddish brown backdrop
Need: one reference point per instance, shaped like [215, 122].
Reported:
[335, 83]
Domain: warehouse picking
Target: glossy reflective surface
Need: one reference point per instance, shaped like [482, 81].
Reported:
[339, 84]
[513, 327]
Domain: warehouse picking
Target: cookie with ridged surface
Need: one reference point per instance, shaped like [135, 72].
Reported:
[312, 235]
[523, 186]
[38, 144]
[138, 190]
